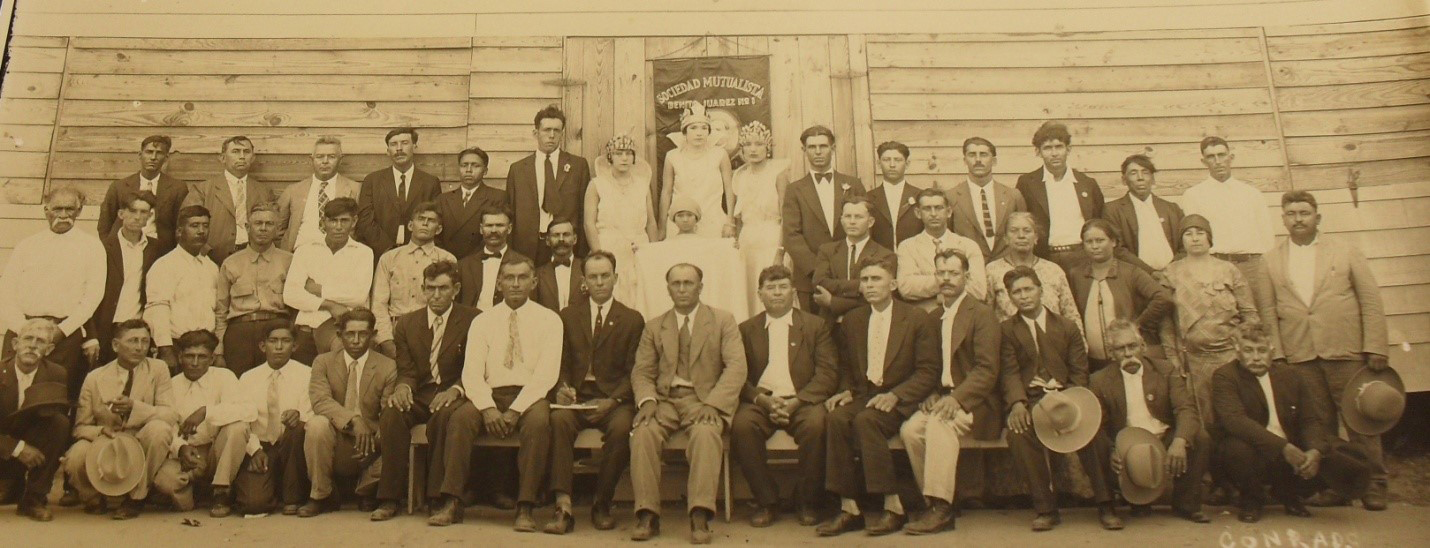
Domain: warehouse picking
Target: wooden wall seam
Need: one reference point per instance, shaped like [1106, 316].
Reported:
[55, 135]
[1275, 106]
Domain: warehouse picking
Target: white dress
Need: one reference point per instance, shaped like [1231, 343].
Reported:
[621, 222]
[697, 176]
[757, 205]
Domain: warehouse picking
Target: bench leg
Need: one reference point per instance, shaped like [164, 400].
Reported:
[728, 495]
[411, 479]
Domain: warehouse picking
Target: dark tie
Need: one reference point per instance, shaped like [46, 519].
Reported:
[853, 260]
[322, 197]
[566, 262]
[987, 215]
[682, 362]
[488, 255]
[546, 198]
[600, 319]
[402, 186]
[1039, 338]
[823, 177]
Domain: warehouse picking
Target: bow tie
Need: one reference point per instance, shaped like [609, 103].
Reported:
[486, 255]
[561, 262]
[823, 177]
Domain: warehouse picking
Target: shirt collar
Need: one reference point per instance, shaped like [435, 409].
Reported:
[787, 319]
[814, 175]
[541, 157]
[602, 306]
[1129, 376]
[124, 242]
[888, 310]
[1311, 245]
[261, 255]
[1049, 179]
[231, 179]
[680, 318]
[154, 181]
[332, 179]
[431, 317]
[410, 169]
[899, 185]
[24, 375]
[952, 308]
[861, 243]
[1041, 319]
[361, 360]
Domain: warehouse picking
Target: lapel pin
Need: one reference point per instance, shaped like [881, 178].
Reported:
[1150, 397]
[567, 169]
[1084, 195]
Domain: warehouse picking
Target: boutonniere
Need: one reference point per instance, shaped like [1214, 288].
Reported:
[566, 168]
[844, 186]
[1084, 195]
[912, 200]
[1150, 397]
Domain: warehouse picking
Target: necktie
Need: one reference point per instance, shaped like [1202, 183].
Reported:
[351, 397]
[240, 212]
[560, 261]
[822, 177]
[402, 186]
[550, 166]
[682, 363]
[937, 245]
[467, 196]
[275, 422]
[879, 340]
[853, 260]
[437, 333]
[490, 255]
[1038, 336]
[322, 197]
[600, 319]
[513, 344]
[987, 214]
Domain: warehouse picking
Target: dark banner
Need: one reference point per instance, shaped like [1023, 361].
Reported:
[734, 90]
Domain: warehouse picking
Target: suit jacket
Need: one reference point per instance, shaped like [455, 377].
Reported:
[461, 225]
[1061, 351]
[470, 269]
[1123, 216]
[907, 224]
[1240, 409]
[548, 293]
[1035, 196]
[1167, 396]
[294, 200]
[610, 356]
[171, 194]
[1136, 295]
[805, 228]
[1345, 316]
[102, 322]
[717, 359]
[413, 338]
[572, 176]
[911, 368]
[813, 357]
[968, 216]
[975, 340]
[223, 225]
[10, 395]
[380, 211]
[329, 386]
[831, 271]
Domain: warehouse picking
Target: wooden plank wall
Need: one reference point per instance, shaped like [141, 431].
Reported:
[511, 79]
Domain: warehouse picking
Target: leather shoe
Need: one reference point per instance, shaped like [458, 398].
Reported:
[524, 522]
[1046, 522]
[38, 512]
[221, 507]
[764, 516]
[937, 519]
[886, 524]
[700, 527]
[647, 526]
[1140, 510]
[290, 509]
[1249, 513]
[314, 507]
[450, 512]
[1295, 508]
[842, 523]
[808, 517]
[601, 517]
[367, 504]
[1373, 500]
[129, 510]
[386, 510]
[560, 524]
[1107, 516]
[1194, 517]
[503, 501]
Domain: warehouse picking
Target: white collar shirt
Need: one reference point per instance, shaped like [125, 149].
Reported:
[1273, 419]
[825, 190]
[238, 192]
[131, 256]
[1301, 269]
[977, 193]
[152, 185]
[950, 313]
[1064, 209]
[879, 322]
[1137, 413]
[893, 195]
[1237, 212]
[292, 379]
[776, 377]
[1152, 245]
[491, 268]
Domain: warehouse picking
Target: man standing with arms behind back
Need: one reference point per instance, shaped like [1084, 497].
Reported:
[812, 209]
[169, 194]
[388, 194]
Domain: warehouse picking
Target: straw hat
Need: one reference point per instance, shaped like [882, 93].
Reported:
[1144, 465]
[1066, 420]
[1373, 401]
[115, 465]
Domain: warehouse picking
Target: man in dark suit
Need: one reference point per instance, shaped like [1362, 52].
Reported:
[893, 202]
[1145, 393]
[169, 194]
[836, 283]
[558, 282]
[1137, 214]
[890, 365]
[793, 367]
[388, 194]
[1059, 197]
[548, 184]
[602, 336]
[30, 449]
[128, 255]
[1042, 351]
[461, 228]
[1272, 426]
[812, 208]
[229, 198]
[431, 344]
[964, 400]
[479, 269]
[981, 205]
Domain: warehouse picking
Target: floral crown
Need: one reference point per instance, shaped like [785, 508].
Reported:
[754, 132]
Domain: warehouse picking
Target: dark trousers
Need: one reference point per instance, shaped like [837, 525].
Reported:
[286, 479]
[240, 344]
[533, 430]
[396, 438]
[752, 427]
[855, 434]
[1032, 457]
[1327, 380]
[1186, 488]
[68, 352]
[1249, 469]
[49, 434]
[308, 342]
[615, 447]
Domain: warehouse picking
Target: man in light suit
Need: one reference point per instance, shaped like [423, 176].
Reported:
[793, 368]
[1330, 320]
[1136, 214]
[479, 269]
[893, 201]
[559, 281]
[229, 198]
[1060, 197]
[169, 194]
[548, 184]
[980, 207]
[461, 225]
[348, 387]
[836, 280]
[688, 372]
[813, 207]
[30, 450]
[388, 194]
[124, 282]
[300, 206]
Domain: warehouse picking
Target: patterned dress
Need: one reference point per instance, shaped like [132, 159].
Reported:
[1200, 335]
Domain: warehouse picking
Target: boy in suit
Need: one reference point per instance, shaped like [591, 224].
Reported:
[1060, 197]
[548, 184]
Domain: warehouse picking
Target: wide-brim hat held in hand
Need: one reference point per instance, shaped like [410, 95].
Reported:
[1066, 420]
[1144, 465]
[1373, 401]
[115, 465]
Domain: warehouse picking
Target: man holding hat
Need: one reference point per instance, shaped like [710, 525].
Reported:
[1330, 321]
[1144, 403]
[1044, 368]
[34, 428]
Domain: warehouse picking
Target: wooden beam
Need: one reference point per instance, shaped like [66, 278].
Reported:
[1356, 121]
[448, 62]
[1359, 70]
[1360, 44]
[269, 44]
[516, 85]
[516, 59]
[1111, 131]
[1358, 148]
[267, 140]
[1379, 94]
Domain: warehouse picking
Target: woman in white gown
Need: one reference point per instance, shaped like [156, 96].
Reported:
[759, 194]
[700, 170]
[618, 211]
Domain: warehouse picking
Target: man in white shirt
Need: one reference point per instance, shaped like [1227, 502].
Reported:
[1239, 217]
[277, 399]
[397, 283]
[1148, 224]
[229, 198]
[58, 274]
[327, 279]
[181, 286]
[558, 282]
[213, 425]
[30, 449]
[301, 204]
[895, 215]
[1059, 197]
[129, 254]
[918, 283]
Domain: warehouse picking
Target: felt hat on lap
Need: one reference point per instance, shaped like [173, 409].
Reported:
[1066, 420]
[1144, 465]
[115, 465]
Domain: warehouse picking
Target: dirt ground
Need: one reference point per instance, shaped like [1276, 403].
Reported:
[1401, 525]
